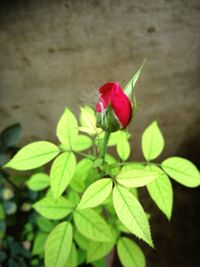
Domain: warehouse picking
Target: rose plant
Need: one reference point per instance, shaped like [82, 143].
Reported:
[92, 195]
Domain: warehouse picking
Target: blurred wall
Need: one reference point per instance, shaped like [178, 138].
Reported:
[57, 53]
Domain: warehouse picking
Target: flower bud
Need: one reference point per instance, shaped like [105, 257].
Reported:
[113, 110]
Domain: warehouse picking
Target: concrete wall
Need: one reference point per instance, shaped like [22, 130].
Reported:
[57, 53]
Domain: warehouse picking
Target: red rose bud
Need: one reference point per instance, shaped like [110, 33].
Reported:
[113, 110]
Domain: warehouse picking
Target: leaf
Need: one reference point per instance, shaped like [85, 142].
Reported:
[58, 245]
[38, 245]
[81, 240]
[182, 170]
[96, 193]
[121, 227]
[130, 254]
[128, 90]
[33, 155]
[38, 181]
[136, 177]
[152, 142]
[81, 256]
[73, 258]
[52, 209]
[44, 224]
[117, 137]
[97, 250]
[73, 197]
[99, 263]
[161, 192]
[123, 149]
[83, 142]
[114, 170]
[11, 135]
[2, 229]
[82, 170]
[61, 173]
[67, 129]
[88, 121]
[92, 226]
[131, 213]
[133, 165]
[2, 212]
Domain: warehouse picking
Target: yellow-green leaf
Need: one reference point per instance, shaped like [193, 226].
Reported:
[161, 191]
[182, 170]
[61, 173]
[52, 209]
[83, 142]
[136, 177]
[96, 193]
[131, 213]
[67, 129]
[152, 141]
[38, 181]
[129, 253]
[92, 226]
[58, 245]
[33, 155]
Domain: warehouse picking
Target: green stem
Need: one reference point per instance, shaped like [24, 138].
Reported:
[104, 145]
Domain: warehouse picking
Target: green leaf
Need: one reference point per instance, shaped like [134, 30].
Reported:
[97, 250]
[123, 149]
[83, 142]
[92, 226]
[38, 244]
[96, 193]
[58, 245]
[130, 254]
[161, 192]
[81, 256]
[81, 240]
[11, 135]
[67, 129]
[131, 213]
[99, 263]
[114, 170]
[52, 209]
[2, 229]
[121, 227]
[38, 181]
[128, 90]
[82, 169]
[61, 173]
[33, 155]
[88, 121]
[73, 258]
[133, 165]
[152, 142]
[117, 137]
[2, 212]
[44, 224]
[136, 177]
[182, 170]
[73, 197]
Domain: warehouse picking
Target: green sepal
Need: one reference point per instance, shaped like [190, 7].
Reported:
[107, 120]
